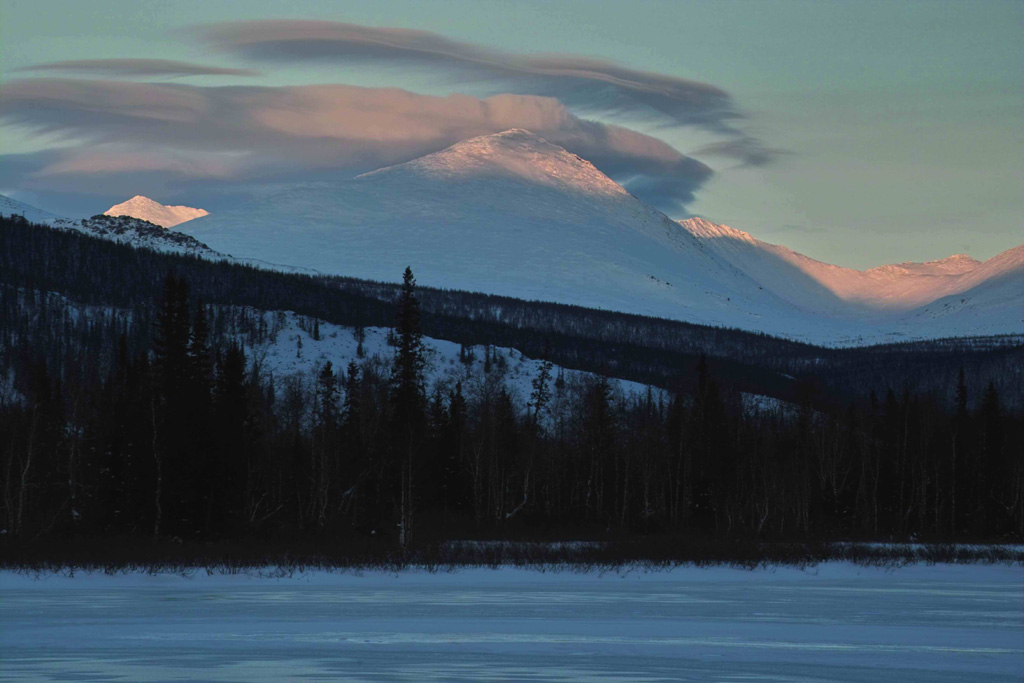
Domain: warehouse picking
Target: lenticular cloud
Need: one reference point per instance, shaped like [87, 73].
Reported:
[571, 79]
[241, 133]
[144, 68]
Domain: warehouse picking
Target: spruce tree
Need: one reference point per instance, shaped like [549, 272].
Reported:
[407, 370]
[199, 357]
[325, 447]
[354, 464]
[171, 341]
[452, 490]
[353, 388]
[174, 498]
[407, 400]
[989, 489]
[541, 393]
[230, 462]
[959, 457]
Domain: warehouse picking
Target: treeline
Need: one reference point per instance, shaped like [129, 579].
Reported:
[648, 350]
[127, 423]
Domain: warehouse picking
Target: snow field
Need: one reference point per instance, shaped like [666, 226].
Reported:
[833, 622]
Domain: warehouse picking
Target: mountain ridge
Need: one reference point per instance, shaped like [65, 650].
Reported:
[135, 232]
[513, 214]
[894, 287]
[507, 214]
[516, 215]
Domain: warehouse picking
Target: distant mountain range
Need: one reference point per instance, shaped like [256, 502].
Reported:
[954, 296]
[515, 215]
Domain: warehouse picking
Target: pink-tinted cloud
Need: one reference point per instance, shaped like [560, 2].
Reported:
[242, 134]
[572, 79]
[114, 160]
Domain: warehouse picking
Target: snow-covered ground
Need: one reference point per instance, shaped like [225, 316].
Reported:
[835, 622]
[293, 350]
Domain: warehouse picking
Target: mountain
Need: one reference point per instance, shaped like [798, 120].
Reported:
[155, 212]
[985, 301]
[957, 295]
[956, 264]
[143, 234]
[12, 207]
[513, 214]
[124, 229]
[509, 214]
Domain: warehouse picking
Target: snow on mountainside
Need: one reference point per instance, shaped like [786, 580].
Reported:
[901, 298]
[509, 214]
[12, 207]
[987, 300]
[134, 232]
[155, 212]
[957, 264]
[139, 233]
[513, 214]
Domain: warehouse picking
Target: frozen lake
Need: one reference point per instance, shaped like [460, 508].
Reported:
[832, 623]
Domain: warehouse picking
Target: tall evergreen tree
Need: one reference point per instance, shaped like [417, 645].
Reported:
[175, 501]
[988, 488]
[963, 443]
[540, 395]
[408, 400]
[230, 464]
[325, 443]
[200, 359]
[171, 340]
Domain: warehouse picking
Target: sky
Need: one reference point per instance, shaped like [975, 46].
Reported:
[857, 133]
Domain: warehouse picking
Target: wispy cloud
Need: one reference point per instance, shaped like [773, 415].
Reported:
[573, 80]
[136, 68]
[176, 133]
[115, 128]
[747, 150]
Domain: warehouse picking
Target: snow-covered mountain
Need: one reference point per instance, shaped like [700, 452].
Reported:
[814, 284]
[139, 233]
[513, 214]
[155, 212]
[957, 295]
[987, 300]
[12, 207]
[510, 214]
[124, 229]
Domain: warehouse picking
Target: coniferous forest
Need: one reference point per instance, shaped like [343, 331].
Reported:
[131, 406]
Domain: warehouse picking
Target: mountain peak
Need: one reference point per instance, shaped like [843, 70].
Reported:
[957, 264]
[521, 133]
[705, 229]
[153, 211]
[512, 155]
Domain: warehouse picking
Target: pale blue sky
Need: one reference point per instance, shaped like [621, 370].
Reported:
[901, 123]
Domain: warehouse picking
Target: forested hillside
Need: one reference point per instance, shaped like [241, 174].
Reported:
[131, 403]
